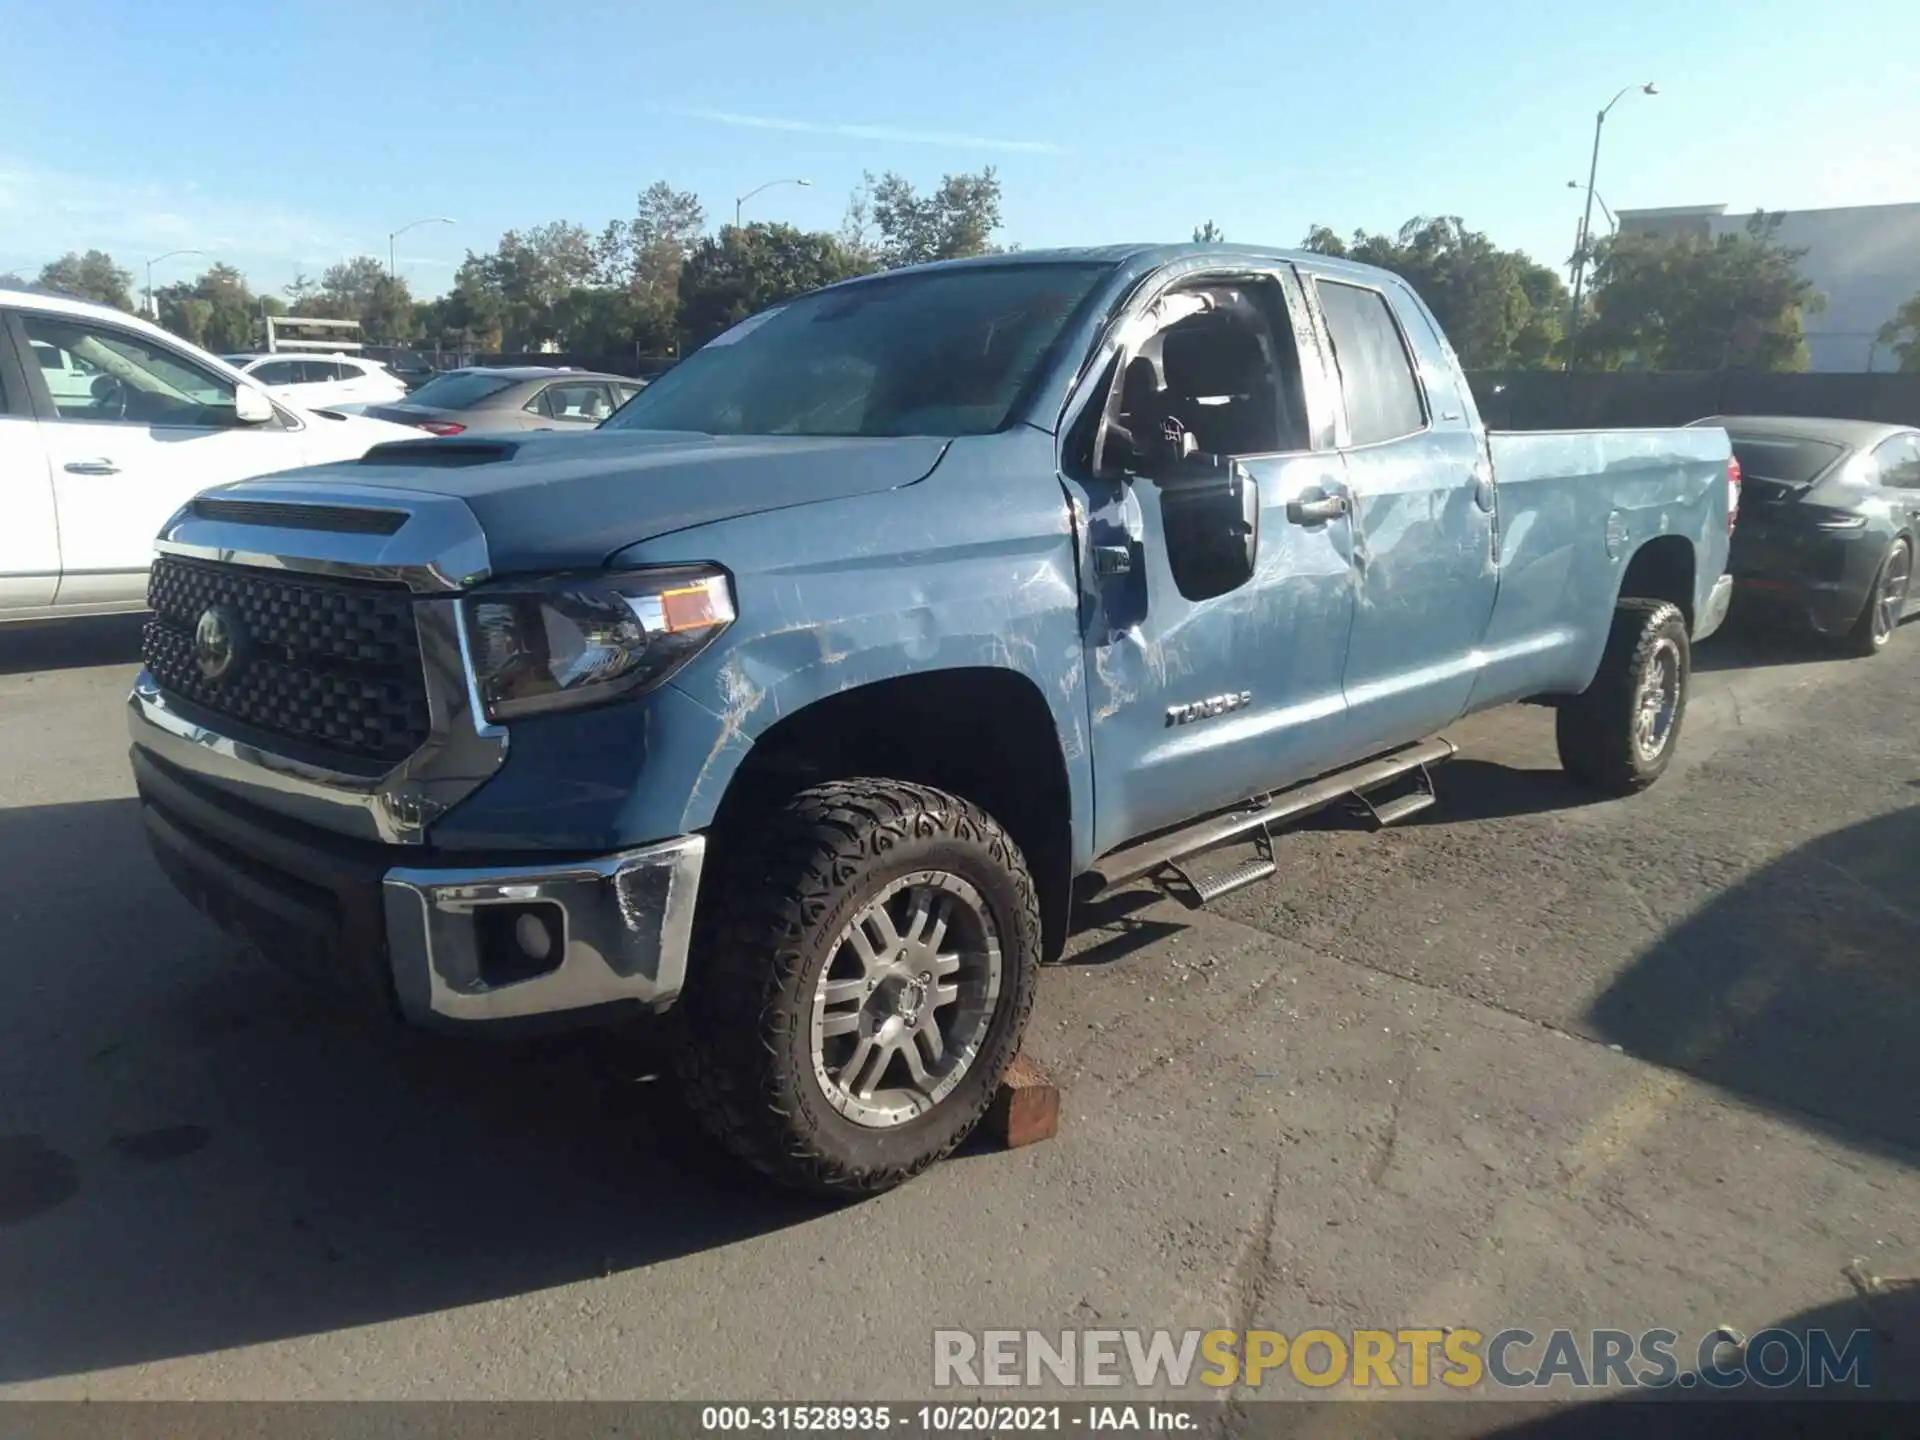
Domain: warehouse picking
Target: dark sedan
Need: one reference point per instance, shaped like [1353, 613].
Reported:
[1829, 512]
[488, 401]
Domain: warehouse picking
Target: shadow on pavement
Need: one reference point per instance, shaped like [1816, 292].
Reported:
[1486, 790]
[71, 644]
[1798, 989]
[1127, 931]
[1749, 641]
[197, 1153]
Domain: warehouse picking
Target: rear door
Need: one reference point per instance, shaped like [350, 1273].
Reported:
[1423, 515]
[159, 428]
[29, 537]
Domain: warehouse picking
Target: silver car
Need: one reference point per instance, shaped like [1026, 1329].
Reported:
[481, 400]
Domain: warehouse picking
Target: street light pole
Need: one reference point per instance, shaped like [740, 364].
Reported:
[756, 190]
[393, 235]
[1613, 225]
[153, 311]
[1586, 219]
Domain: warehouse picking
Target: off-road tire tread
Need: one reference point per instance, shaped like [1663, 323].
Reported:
[774, 877]
[1593, 730]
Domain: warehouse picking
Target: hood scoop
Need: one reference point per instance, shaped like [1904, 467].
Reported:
[282, 515]
[448, 454]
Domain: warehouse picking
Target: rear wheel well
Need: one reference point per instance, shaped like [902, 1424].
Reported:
[980, 733]
[1662, 569]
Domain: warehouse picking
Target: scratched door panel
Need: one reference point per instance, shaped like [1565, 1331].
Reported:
[1425, 560]
[1423, 518]
[1272, 653]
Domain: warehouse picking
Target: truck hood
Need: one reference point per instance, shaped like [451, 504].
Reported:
[555, 502]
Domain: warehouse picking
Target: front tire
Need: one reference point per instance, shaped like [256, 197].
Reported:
[864, 968]
[1620, 733]
[1886, 602]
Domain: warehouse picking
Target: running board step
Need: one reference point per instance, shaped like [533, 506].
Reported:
[1386, 814]
[1250, 872]
[1158, 852]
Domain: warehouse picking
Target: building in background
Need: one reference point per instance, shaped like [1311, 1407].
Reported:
[1864, 258]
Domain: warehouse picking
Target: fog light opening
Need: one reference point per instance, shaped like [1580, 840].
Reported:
[519, 941]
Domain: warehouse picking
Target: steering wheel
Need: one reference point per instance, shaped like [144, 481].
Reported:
[110, 394]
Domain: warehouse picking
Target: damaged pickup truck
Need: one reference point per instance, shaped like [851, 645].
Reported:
[804, 699]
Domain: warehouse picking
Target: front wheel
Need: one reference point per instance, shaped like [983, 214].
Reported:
[1886, 602]
[1619, 734]
[865, 965]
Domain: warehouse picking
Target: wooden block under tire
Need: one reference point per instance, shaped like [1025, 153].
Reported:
[1025, 1109]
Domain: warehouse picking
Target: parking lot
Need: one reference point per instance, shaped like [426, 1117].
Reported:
[1525, 1061]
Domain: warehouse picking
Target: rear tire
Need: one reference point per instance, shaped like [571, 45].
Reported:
[1886, 602]
[864, 966]
[1619, 734]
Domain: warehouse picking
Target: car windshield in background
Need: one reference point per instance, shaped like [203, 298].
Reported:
[943, 353]
[459, 392]
[1783, 459]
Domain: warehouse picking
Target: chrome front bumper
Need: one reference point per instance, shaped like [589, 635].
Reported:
[235, 837]
[625, 923]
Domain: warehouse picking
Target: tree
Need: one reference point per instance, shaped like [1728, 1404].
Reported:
[92, 276]
[747, 268]
[348, 290]
[468, 316]
[1902, 332]
[187, 315]
[642, 258]
[1209, 234]
[1695, 302]
[218, 310]
[528, 275]
[387, 316]
[1501, 309]
[957, 220]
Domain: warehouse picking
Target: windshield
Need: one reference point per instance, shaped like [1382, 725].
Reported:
[944, 352]
[459, 392]
[1783, 458]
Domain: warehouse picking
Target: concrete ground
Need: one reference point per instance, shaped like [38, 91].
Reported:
[1527, 1060]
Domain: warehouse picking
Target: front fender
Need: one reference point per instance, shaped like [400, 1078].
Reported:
[973, 566]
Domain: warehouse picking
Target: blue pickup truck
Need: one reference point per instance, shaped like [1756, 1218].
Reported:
[805, 699]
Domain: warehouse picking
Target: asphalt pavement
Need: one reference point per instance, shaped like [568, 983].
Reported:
[1528, 1059]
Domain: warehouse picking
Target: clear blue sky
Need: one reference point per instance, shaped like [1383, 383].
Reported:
[282, 136]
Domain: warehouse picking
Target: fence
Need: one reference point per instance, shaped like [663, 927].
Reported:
[1598, 399]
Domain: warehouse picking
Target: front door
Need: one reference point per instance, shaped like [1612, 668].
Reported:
[1198, 704]
[1423, 518]
[154, 429]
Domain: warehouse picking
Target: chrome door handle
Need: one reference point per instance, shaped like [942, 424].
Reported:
[1316, 512]
[92, 467]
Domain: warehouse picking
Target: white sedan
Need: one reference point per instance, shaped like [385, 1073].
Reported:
[322, 380]
[108, 425]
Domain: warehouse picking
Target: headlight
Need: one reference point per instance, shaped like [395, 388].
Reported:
[572, 641]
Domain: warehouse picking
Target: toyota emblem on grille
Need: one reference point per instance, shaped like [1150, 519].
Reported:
[216, 642]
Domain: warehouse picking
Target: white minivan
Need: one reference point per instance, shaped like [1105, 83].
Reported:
[108, 425]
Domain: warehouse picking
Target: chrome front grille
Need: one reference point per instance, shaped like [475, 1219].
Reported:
[332, 664]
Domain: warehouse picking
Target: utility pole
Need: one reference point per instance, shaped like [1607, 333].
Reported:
[1586, 220]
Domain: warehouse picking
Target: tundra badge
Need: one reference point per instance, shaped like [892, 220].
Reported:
[1206, 709]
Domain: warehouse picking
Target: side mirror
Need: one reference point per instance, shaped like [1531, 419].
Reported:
[1210, 512]
[250, 407]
